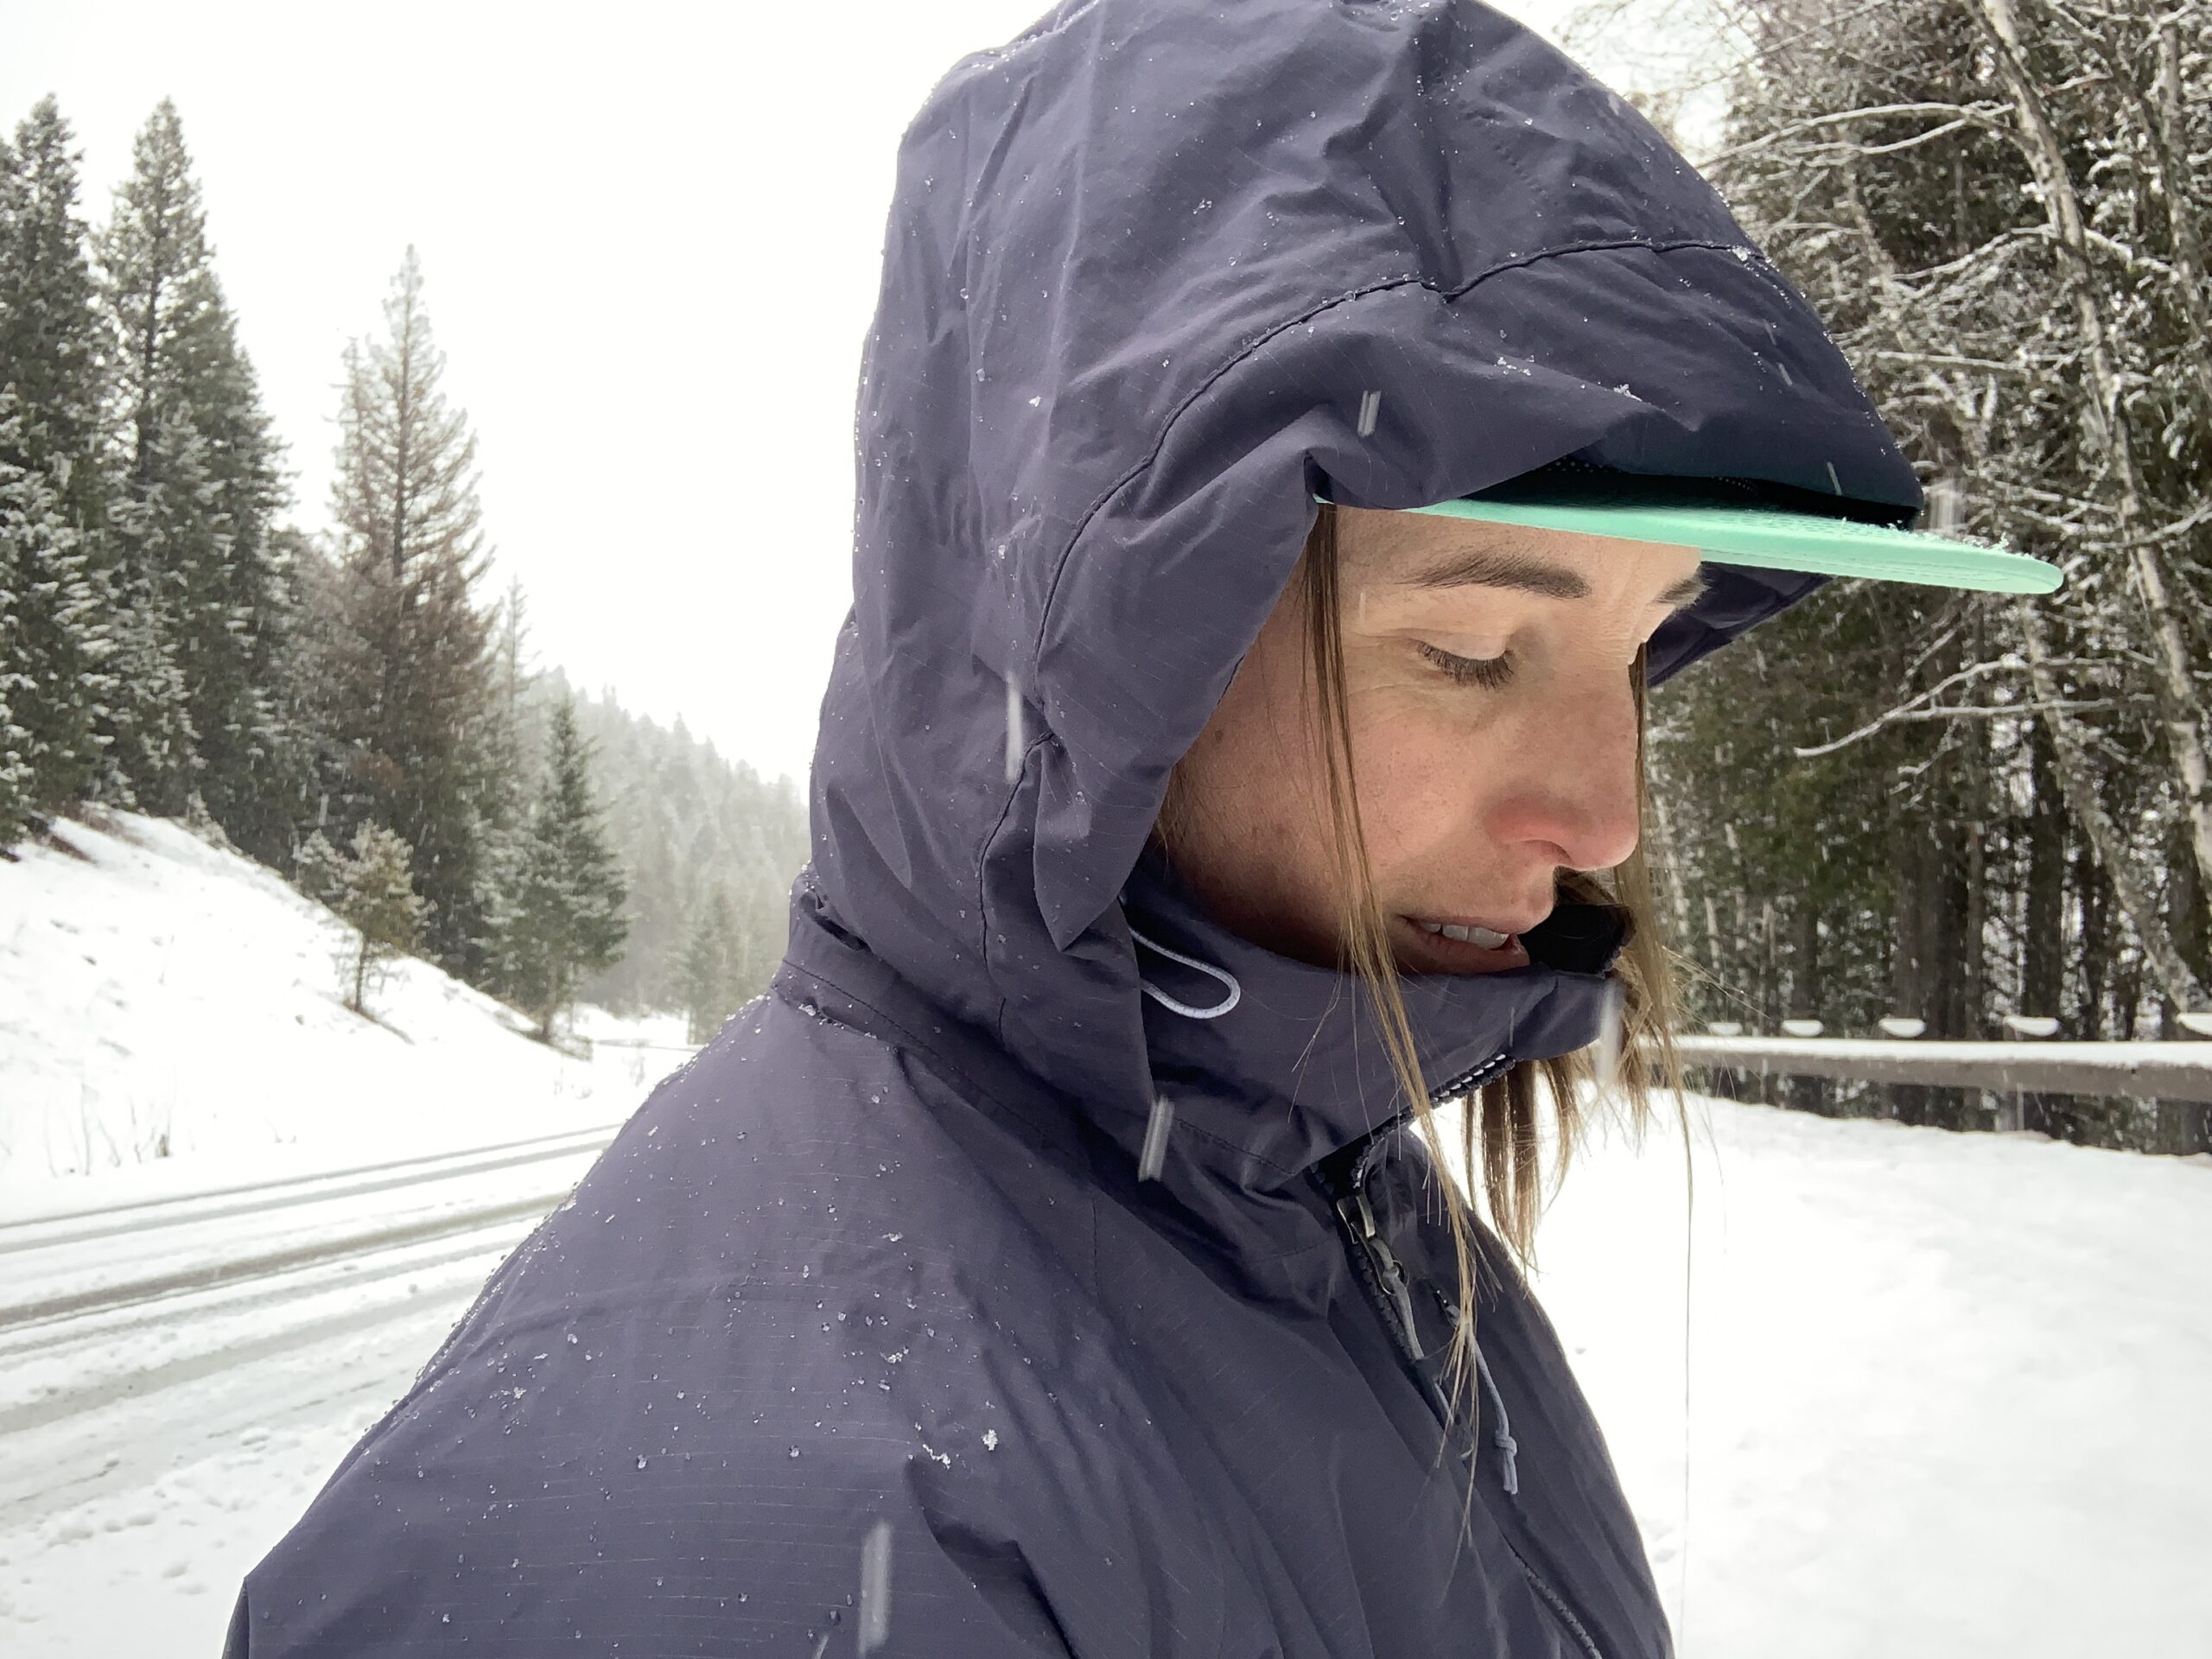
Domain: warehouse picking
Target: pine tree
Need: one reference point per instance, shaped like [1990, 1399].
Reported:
[376, 896]
[305, 689]
[49, 611]
[503, 828]
[319, 869]
[200, 487]
[53, 347]
[405, 678]
[566, 920]
[710, 970]
[168, 537]
[56, 639]
[681, 818]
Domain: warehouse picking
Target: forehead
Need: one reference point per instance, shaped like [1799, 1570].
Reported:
[1427, 552]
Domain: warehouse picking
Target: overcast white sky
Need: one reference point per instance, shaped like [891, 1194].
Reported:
[649, 241]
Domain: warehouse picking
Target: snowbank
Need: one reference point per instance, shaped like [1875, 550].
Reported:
[170, 1017]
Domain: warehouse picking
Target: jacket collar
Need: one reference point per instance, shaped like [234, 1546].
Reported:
[1291, 1072]
[1293, 1068]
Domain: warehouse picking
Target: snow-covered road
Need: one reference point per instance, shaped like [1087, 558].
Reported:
[177, 1376]
[102, 1261]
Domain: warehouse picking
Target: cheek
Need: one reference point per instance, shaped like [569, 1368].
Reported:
[1253, 773]
[1422, 776]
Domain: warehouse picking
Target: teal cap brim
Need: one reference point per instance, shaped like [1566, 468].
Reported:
[1772, 540]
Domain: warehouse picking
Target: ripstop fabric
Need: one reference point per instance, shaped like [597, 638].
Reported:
[867, 1334]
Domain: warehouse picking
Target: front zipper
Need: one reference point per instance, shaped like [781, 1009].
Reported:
[1473, 1077]
[1381, 1273]
[1356, 1214]
[1382, 1278]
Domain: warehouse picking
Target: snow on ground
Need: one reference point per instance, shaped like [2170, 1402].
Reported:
[1947, 1395]
[170, 1017]
[206, 1485]
[170, 1025]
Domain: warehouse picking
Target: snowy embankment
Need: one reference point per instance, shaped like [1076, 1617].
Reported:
[235, 1218]
[170, 1018]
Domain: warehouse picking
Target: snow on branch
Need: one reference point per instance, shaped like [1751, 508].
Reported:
[1983, 116]
[1923, 706]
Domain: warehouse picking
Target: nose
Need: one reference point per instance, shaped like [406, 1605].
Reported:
[1575, 803]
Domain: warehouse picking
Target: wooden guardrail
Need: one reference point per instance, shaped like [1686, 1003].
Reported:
[2178, 1071]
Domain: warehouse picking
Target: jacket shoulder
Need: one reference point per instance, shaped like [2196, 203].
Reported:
[782, 1317]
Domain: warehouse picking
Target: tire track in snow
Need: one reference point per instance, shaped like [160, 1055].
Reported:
[287, 1320]
[485, 1245]
[303, 1374]
[215, 1274]
[258, 1197]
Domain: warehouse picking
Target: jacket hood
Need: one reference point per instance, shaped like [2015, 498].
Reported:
[1156, 272]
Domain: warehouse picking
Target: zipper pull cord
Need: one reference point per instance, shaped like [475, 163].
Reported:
[1502, 1436]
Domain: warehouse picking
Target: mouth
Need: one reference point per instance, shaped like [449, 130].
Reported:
[1461, 947]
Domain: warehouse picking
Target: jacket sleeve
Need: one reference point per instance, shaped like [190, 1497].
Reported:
[535, 1494]
[941, 1597]
[678, 1413]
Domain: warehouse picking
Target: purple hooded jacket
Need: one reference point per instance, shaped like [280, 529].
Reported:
[866, 1335]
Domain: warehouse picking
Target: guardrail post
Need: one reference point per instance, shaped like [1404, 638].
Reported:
[2013, 1113]
[1807, 1094]
[2184, 1126]
[1726, 1081]
[1905, 1026]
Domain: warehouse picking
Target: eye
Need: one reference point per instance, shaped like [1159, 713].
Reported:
[1490, 673]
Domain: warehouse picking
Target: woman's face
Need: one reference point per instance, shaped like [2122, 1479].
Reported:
[1493, 737]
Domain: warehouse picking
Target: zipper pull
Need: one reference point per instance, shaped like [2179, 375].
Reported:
[1360, 1217]
[1356, 1214]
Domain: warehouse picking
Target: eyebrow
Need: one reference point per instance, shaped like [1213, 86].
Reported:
[1488, 567]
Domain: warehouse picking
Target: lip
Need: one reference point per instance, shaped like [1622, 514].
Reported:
[1451, 956]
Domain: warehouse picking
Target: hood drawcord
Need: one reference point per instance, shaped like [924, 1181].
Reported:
[1501, 1435]
[1185, 1008]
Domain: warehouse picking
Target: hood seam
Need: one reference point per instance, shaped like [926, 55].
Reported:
[1151, 456]
[909, 1043]
[1519, 262]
